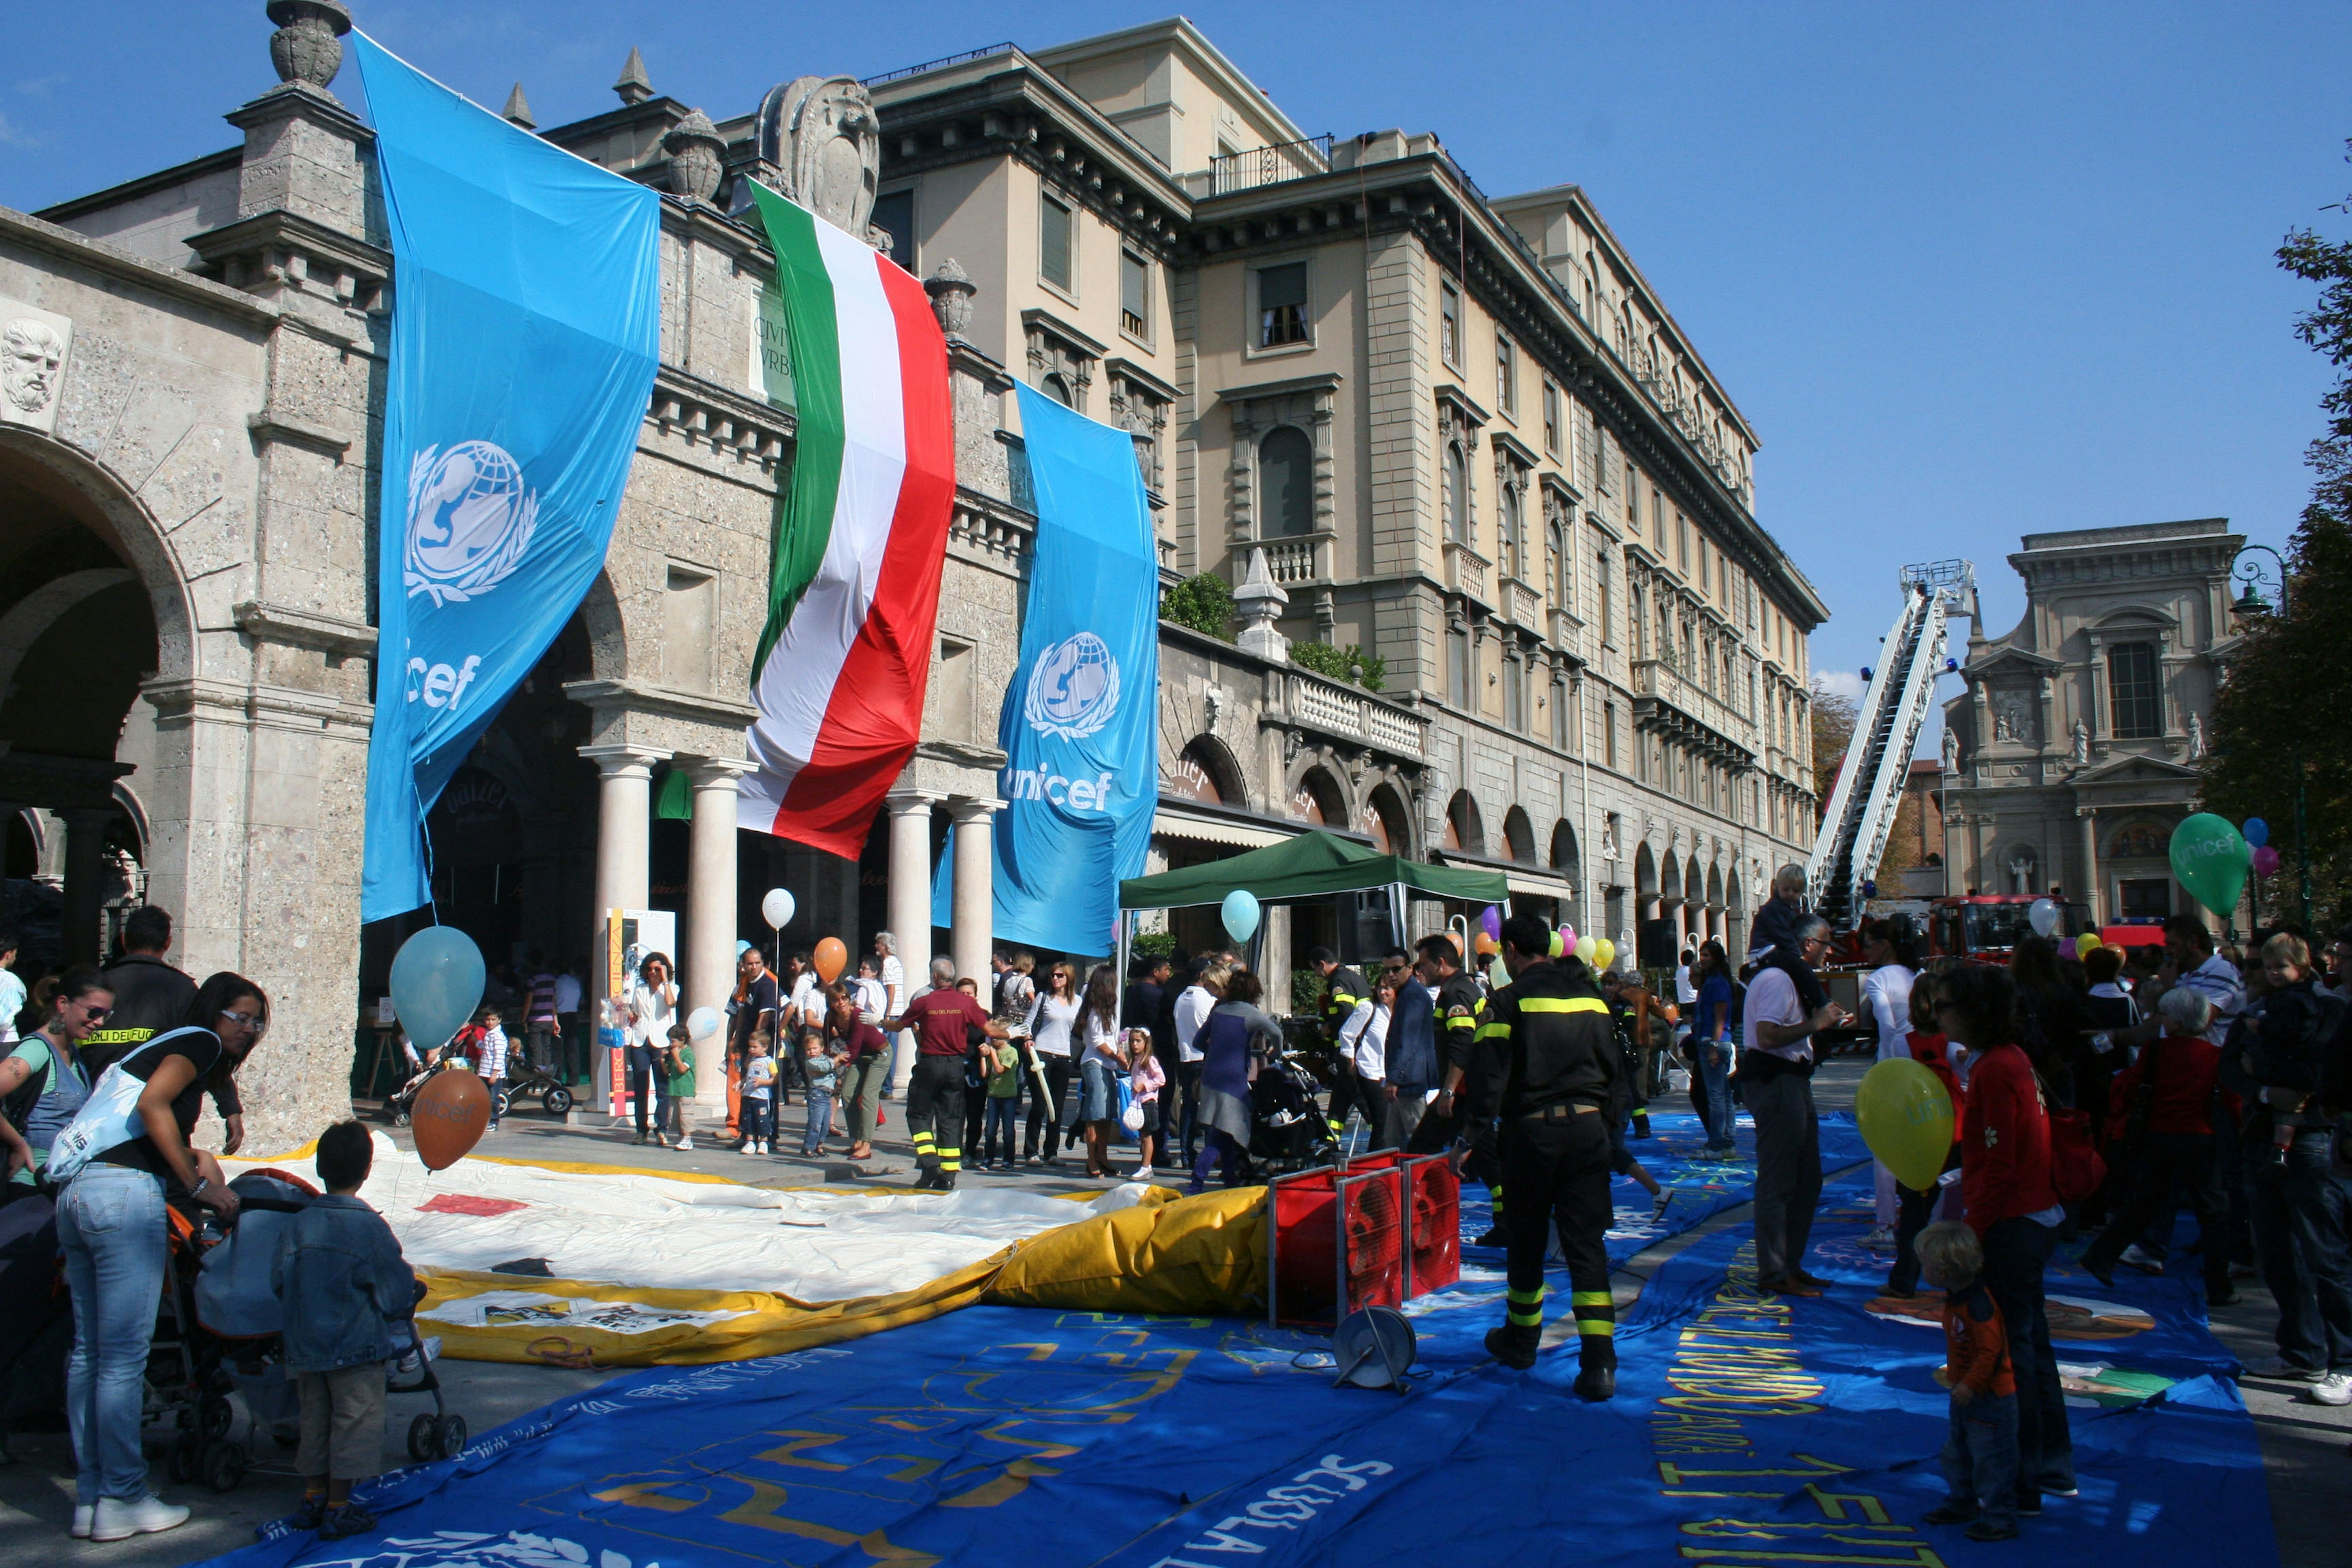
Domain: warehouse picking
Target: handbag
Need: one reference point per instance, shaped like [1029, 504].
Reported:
[2076, 1170]
[108, 1119]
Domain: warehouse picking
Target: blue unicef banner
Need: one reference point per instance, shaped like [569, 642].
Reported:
[525, 328]
[1080, 722]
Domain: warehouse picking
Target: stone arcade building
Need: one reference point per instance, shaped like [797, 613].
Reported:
[1460, 433]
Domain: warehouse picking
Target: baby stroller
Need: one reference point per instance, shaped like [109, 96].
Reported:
[526, 1077]
[218, 1336]
[1288, 1130]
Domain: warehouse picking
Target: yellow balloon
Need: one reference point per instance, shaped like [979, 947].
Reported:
[2086, 943]
[1906, 1117]
[1584, 947]
[1604, 954]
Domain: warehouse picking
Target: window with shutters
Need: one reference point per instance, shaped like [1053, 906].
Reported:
[1134, 296]
[1281, 305]
[1515, 693]
[1449, 324]
[1286, 477]
[1459, 678]
[2135, 699]
[1602, 602]
[1551, 418]
[1458, 494]
[1056, 242]
[1507, 375]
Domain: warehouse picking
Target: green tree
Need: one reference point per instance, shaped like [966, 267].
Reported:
[2280, 718]
[1351, 663]
[1833, 720]
[1203, 603]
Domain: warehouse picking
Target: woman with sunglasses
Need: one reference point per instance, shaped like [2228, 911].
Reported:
[110, 1228]
[43, 1080]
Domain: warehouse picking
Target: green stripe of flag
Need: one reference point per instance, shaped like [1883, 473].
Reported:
[804, 508]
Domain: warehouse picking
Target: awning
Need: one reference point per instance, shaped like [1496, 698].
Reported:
[1539, 887]
[1311, 865]
[1213, 830]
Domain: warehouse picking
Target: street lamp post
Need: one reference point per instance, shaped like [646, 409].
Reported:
[2249, 605]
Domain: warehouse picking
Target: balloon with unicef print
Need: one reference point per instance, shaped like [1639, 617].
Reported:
[448, 1116]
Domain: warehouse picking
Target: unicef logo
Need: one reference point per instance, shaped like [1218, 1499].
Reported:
[469, 520]
[1073, 688]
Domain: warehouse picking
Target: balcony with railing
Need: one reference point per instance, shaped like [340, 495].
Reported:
[1660, 683]
[1465, 570]
[1230, 173]
[1335, 708]
[1305, 558]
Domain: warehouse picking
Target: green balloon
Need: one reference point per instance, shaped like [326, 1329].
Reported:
[2211, 859]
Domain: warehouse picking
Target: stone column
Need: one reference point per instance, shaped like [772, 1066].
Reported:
[2088, 816]
[710, 909]
[975, 884]
[85, 881]
[624, 804]
[910, 908]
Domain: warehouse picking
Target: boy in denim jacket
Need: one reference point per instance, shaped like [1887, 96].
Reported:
[344, 1284]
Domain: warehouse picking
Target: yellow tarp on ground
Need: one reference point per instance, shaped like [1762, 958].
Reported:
[1169, 1255]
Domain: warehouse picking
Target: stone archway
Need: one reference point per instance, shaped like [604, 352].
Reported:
[1316, 799]
[1518, 836]
[1384, 819]
[1464, 830]
[93, 611]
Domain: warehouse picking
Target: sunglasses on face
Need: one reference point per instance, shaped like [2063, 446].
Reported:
[247, 1020]
[92, 1011]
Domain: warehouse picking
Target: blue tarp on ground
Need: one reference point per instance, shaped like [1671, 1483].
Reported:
[1746, 1430]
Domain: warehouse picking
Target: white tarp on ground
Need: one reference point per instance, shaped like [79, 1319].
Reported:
[815, 1246]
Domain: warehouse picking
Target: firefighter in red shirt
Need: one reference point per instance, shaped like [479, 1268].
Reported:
[2005, 1186]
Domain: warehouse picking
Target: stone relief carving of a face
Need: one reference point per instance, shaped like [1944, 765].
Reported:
[30, 354]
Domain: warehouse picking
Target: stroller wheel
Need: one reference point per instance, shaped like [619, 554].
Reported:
[425, 1438]
[400, 1117]
[453, 1436]
[216, 1417]
[557, 1099]
[183, 1460]
[223, 1465]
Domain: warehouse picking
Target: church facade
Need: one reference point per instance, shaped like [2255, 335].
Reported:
[2072, 754]
[1454, 442]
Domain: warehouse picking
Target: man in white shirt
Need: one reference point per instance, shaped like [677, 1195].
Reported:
[1776, 1077]
[2189, 945]
[1192, 1009]
[1686, 993]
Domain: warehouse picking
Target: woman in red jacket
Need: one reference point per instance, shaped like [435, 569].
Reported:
[2157, 1122]
[2005, 1184]
[1931, 1050]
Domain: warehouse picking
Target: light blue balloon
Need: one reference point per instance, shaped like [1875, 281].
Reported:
[2257, 832]
[1240, 914]
[437, 984]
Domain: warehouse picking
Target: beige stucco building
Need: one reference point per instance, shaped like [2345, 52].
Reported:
[2072, 751]
[1465, 434]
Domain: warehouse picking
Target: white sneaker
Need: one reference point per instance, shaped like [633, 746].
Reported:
[2140, 1258]
[749, 1148]
[119, 1519]
[1141, 1174]
[79, 1529]
[2335, 1388]
[1881, 1239]
[686, 1144]
[763, 1145]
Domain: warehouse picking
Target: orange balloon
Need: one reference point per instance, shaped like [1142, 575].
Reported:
[832, 958]
[448, 1117]
[1484, 943]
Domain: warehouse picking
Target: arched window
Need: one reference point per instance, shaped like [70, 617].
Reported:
[1285, 477]
[1514, 542]
[1058, 389]
[1458, 494]
[1556, 566]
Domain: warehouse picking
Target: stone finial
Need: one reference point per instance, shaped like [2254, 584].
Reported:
[1260, 602]
[697, 157]
[518, 110]
[951, 293]
[635, 86]
[308, 46]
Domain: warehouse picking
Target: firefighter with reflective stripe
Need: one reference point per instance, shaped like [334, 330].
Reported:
[1344, 990]
[1460, 1006]
[942, 1018]
[1536, 1098]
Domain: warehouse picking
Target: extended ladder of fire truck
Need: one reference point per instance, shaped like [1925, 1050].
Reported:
[1893, 709]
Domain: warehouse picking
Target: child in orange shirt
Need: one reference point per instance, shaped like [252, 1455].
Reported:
[1981, 1455]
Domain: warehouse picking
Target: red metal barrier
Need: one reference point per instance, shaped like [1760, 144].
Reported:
[1433, 1224]
[1378, 1231]
[1373, 1254]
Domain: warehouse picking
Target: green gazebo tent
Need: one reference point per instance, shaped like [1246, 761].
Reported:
[1310, 866]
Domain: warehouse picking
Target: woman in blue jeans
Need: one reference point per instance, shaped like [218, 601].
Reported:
[111, 1226]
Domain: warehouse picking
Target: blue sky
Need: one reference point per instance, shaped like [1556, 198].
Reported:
[1970, 271]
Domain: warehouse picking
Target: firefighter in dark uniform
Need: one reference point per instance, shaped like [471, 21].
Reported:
[1343, 990]
[1535, 1101]
[943, 1022]
[1460, 1006]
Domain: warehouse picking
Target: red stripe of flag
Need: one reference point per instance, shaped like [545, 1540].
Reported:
[875, 714]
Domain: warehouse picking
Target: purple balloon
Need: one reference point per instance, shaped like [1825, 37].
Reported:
[1491, 922]
[2266, 860]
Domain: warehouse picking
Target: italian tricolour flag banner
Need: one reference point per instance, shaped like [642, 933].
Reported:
[860, 536]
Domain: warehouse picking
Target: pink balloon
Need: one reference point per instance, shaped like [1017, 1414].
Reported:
[2266, 860]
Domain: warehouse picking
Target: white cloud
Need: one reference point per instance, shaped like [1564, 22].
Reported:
[1845, 683]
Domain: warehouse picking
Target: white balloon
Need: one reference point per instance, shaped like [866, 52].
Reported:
[2043, 915]
[776, 909]
[702, 1023]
